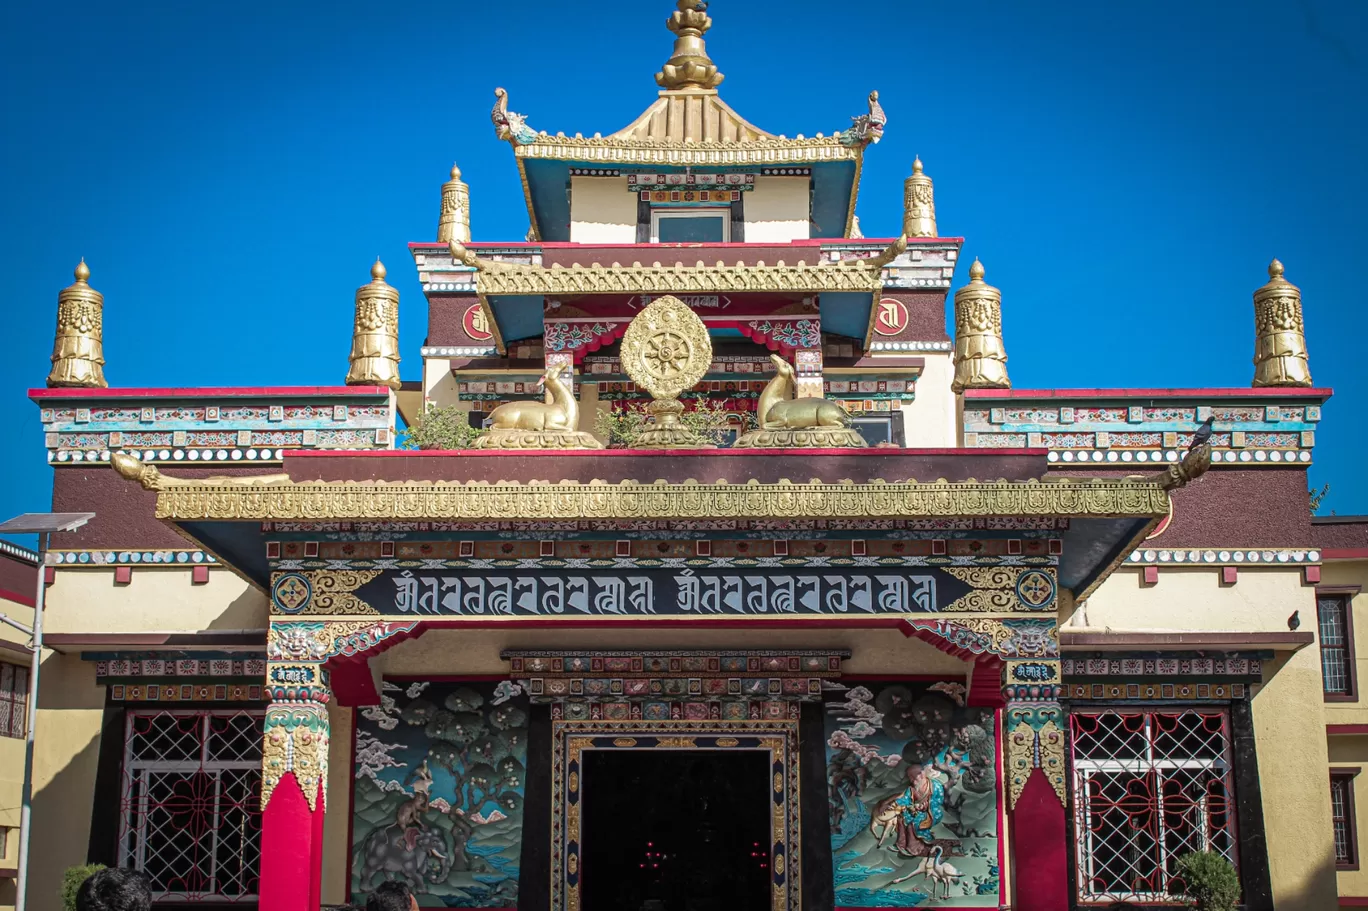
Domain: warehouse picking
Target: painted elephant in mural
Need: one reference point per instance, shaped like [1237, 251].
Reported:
[415, 856]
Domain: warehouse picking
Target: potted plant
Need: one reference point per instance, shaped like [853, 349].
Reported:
[1209, 880]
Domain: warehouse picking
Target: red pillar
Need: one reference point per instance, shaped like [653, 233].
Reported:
[291, 849]
[1040, 848]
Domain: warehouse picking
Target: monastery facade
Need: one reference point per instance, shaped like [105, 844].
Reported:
[883, 631]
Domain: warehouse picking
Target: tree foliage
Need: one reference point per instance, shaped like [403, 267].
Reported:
[72, 879]
[1317, 498]
[1209, 880]
[440, 427]
[707, 421]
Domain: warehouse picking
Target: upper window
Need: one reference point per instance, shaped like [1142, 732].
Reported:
[1148, 787]
[1342, 816]
[14, 682]
[1335, 625]
[690, 226]
[191, 808]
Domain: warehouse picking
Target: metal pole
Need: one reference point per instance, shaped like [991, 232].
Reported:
[30, 721]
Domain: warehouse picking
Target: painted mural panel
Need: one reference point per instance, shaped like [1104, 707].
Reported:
[912, 789]
[438, 801]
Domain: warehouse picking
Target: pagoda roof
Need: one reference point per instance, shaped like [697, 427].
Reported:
[687, 126]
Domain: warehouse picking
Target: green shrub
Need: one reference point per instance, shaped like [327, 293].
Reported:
[71, 882]
[447, 427]
[707, 420]
[1210, 880]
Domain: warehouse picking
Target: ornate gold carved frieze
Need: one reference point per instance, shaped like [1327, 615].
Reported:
[630, 500]
[857, 275]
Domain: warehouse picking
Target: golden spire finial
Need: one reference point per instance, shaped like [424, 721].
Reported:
[919, 204]
[980, 356]
[375, 334]
[1280, 357]
[78, 350]
[689, 67]
[454, 222]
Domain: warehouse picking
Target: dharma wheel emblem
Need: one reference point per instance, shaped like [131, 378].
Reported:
[666, 351]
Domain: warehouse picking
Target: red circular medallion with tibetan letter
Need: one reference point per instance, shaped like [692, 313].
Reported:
[476, 324]
[890, 316]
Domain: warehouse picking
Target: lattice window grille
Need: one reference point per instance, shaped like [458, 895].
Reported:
[1340, 816]
[14, 682]
[1334, 644]
[190, 813]
[1148, 787]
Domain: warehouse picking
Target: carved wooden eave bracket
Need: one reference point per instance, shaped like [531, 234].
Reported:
[1192, 466]
[856, 275]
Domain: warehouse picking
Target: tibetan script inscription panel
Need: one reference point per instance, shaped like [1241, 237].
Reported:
[679, 592]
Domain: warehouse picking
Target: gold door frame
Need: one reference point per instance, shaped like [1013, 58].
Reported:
[571, 738]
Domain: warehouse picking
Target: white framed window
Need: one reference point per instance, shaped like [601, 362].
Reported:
[690, 226]
[191, 803]
[1148, 787]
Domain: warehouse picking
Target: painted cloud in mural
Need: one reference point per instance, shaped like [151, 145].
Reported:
[912, 793]
[440, 776]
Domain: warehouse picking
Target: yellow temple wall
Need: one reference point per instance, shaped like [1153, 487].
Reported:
[602, 211]
[157, 599]
[11, 759]
[439, 386]
[777, 210]
[65, 757]
[931, 419]
[337, 818]
[1351, 750]
[1289, 732]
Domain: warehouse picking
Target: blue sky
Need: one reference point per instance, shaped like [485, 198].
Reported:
[1125, 171]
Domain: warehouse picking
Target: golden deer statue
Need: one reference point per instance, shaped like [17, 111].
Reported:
[552, 424]
[792, 422]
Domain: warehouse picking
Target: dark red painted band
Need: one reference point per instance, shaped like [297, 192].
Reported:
[26, 600]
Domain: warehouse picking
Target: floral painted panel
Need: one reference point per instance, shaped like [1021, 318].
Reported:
[913, 797]
[438, 801]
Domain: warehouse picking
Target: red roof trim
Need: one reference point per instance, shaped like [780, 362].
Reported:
[1346, 729]
[187, 392]
[1344, 553]
[1175, 393]
[16, 597]
[653, 453]
[873, 242]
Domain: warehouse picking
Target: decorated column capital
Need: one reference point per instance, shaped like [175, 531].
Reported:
[1034, 726]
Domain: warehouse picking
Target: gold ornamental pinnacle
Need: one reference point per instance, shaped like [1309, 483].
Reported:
[454, 223]
[1280, 357]
[78, 351]
[375, 336]
[919, 204]
[980, 356]
[689, 67]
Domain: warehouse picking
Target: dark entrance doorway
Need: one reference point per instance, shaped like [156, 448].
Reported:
[675, 830]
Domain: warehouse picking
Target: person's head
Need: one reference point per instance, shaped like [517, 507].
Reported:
[391, 896]
[114, 890]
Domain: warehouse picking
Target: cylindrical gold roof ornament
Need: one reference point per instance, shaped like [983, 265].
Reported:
[1280, 340]
[78, 352]
[980, 356]
[455, 221]
[919, 204]
[375, 339]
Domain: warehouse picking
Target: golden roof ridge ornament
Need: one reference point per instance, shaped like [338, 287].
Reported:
[666, 351]
[454, 221]
[919, 203]
[980, 356]
[78, 349]
[689, 67]
[375, 335]
[1280, 357]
